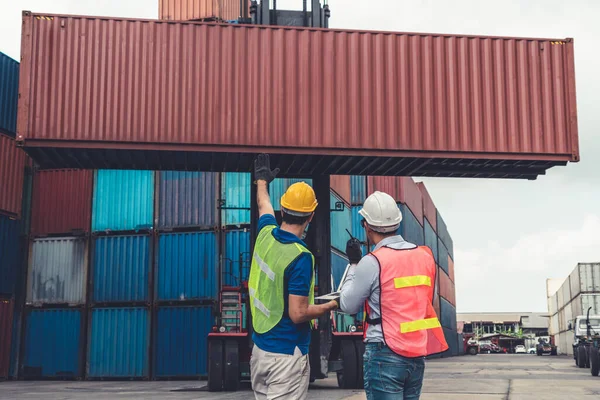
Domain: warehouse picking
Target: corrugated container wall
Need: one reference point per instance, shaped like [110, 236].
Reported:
[9, 94]
[449, 96]
[187, 199]
[62, 201]
[358, 187]
[581, 303]
[444, 235]
[566, 293]
[429, 210]
[187, 266]
[181, 341]
[451, 268]
[119, 343]
[339, 262]
[403, 189]
[553, 304]
[26, 203]
[235, 192]
[12, 169]
[9, 254]
[6, 324]
[177, 10]
[431, 240]
[410, 228]
[357, 230]
[121, 268]
[553, 285]
[585, 278]
[341, 185]
[447, 290]
[448, 314]
[123, 200]
[57, 271]
[52, 343]
[340, 221]
[236, 262]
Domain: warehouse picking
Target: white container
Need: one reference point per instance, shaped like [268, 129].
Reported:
[568, 314]
[553, 304]
[562, 325]
[552, 286]
[582, 302]
[553, 327]
[585, 278]
[565, 291]
[562, 343]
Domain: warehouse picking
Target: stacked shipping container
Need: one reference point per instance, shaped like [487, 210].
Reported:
[577, 293]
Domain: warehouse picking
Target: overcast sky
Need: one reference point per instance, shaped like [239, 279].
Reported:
[509, 235]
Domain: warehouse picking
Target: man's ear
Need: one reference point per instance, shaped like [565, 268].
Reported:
[311, 217]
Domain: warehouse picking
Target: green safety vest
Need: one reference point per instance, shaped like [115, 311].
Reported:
[266, 284]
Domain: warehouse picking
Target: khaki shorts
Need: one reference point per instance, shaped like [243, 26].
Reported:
[279, 376]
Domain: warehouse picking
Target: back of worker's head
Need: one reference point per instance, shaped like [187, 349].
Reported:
[381, 215]
[298, 204]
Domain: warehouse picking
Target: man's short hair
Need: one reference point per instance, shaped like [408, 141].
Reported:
[293, 219]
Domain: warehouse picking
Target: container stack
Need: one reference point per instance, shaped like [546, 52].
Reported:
[578, 292]
[13, 165]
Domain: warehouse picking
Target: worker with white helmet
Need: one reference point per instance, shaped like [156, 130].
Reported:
[395, 283]
[281, 288]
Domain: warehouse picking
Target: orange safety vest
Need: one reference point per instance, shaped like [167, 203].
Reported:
[409, 323]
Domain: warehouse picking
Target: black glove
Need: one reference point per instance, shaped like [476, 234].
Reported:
[353, 250]
[262, 169]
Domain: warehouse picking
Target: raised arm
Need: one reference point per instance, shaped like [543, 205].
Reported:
[264, 175]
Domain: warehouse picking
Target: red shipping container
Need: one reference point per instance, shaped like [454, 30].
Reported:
[447, 290]
[429, 209]
[6, 323]
[436, 294]
[110, 91]
[178, 10]
[341, 185]
[451, 268]
[403, 189]
[12, 174]
[62, 201]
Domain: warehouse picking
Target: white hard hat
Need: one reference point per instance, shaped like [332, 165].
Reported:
[381, 212]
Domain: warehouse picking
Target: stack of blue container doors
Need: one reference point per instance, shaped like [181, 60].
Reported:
[445, 251]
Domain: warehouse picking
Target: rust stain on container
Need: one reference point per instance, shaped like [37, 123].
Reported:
[200, 9]
[12, 174]
[402, 189]
[429, 210]
[325, 101]
[62, 201]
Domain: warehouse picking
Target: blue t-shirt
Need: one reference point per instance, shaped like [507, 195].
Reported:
[286, 336]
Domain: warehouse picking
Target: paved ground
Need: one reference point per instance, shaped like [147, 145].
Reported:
[483, 377]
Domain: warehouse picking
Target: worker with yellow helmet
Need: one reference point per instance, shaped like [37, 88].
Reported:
[281, 288]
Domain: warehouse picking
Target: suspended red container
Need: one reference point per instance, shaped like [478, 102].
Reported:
[125, 93]
[340, 184]
[403, 189]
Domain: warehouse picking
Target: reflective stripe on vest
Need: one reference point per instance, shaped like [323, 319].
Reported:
[409, 323]
[266, 283]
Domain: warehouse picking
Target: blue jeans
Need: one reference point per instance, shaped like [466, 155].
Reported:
[390, 376]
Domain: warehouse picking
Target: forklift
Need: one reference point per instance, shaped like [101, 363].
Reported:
[337, 339]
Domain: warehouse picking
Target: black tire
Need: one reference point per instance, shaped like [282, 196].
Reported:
[473, 351]
[215, 365]
[594, 361]
[587, 356]
[360, 351]
[581, 357]
[553, 352]
[231, 376]
[348, 377]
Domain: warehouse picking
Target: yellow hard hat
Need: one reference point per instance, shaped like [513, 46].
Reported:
[299, 200]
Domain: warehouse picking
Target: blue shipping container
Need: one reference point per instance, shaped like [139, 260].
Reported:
[187, 266]
[9, 254]
[237, 257]
[15, 343]
[452, 341]
[123, 200]
[448, 317]
[443, 257]
[119, 341]
[9, 94]
[121, 266]
[235, 191]
[431, 240]
[358, 189]
[444, 235]
[187, 199]
[181, 341]
[52, 341]
[340, 222]
[410, 228]
[357, 230]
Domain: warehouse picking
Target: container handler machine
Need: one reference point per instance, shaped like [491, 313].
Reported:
[586, 343]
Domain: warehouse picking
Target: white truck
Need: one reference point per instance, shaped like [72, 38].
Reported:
[586, 343]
